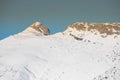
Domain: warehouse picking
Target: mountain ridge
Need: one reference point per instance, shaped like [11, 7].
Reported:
[70, 55]
[96, 28]
[103, 29]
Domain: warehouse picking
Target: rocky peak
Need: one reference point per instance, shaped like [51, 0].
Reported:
[40, 28]
[36, 29]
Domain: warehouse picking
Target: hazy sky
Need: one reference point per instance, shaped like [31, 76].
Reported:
[16, 15]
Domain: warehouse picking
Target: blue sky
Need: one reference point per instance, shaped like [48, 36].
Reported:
[16, 15]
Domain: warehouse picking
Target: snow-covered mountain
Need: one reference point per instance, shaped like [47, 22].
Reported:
[83, 51]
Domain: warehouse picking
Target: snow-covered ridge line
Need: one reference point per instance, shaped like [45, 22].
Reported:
[103, 29]
[78, 30]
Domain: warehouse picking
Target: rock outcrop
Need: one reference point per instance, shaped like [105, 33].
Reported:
[40, 28]
[102, 28]
[36, 29]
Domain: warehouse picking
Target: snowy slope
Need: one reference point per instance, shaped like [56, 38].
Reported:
[68, 55]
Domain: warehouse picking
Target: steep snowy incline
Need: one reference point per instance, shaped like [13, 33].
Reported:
[69, 55]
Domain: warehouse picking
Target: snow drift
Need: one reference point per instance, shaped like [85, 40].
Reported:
[82, 52]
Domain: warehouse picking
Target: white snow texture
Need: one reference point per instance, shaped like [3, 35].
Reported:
[68, 55]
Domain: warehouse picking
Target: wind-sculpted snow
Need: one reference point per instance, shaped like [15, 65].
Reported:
[69, 55]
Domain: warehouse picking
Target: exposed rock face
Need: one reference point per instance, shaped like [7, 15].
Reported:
[107, 28]
[36, 29]
[40, 28]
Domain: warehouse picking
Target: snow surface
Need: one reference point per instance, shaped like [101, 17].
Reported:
[59, 57]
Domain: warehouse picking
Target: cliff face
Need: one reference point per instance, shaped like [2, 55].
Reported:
[101, 28]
